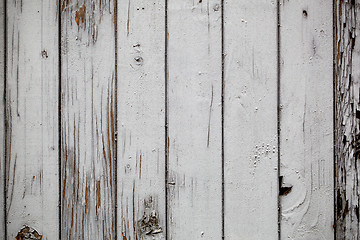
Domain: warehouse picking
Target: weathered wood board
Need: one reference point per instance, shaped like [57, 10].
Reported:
[347, 109]
[194, 119]
[31, 118]
[141, 120]
[306, 119]
[250, 120]
[170, 119]
[88, 116]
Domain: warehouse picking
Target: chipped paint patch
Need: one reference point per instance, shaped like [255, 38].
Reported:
[80, 15]
[347, 127]
[149, 224]
[28, 233]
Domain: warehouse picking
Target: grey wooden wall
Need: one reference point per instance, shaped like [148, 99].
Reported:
[178, 119]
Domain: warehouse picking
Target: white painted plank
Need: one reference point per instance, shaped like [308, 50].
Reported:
[141, 119]
[2, 120]
[306, 145]
[32, 118]
[250, 120]
[88, 115]
[194, 120]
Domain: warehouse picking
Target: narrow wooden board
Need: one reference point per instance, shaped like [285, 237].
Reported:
[306, 145]
[194, 120]
[2, 119]
[347, 127]
[141, 119]
[250, 120]
[88, 115]
[32, 118]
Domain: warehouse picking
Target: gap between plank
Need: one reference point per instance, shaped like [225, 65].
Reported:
[59, 113]
[222, 122]
[116, 115]
[334, 113]
[278, 114]
[5, 117]
[166, 122]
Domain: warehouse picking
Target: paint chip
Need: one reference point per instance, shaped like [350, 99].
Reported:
[28, 233]
[149, 225]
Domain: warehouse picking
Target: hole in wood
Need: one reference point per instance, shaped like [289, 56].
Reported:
[283, 190]
[305, 13]
[139, 60]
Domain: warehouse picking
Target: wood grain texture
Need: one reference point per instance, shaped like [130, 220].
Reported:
[194, 120]
[306, 114]
[32, 117]
[250, 120]
[347, 128]
[2, 120]
[141, 119]
[88, 116]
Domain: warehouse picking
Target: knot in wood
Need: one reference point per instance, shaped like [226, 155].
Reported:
[149, 225]
[28, 233]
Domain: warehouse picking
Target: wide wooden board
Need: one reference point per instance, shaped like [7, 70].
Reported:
[32, 118]
[88, 116]
[194, 119]
[141, 119]
[306, 145]
[250, 120]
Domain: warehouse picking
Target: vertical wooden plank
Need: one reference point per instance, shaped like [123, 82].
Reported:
[250, 120]
[32, 119]
[2, 119]
[347, 128]
[194, 119]
[88, 116]
[306, 88]
[141, 119]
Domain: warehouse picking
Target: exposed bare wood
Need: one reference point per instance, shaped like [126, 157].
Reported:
[141, 119]
[32, 118]
[194, 120]
[250, 120]
[88, 116]
[347, 128]
[306, 145]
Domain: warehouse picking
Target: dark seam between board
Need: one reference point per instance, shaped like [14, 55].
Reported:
[278, 113]
[59, 115]
[166, 123]
[222, 122]
[334, 115]
[116, 117]
[5, 117]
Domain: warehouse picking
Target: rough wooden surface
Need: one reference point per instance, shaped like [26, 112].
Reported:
[88, 116]
[144, 129]
[194, 119]
[141, 119]
[347, 75]
[306, 112]
[250, 120]
[2, 119]
[31, 118]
